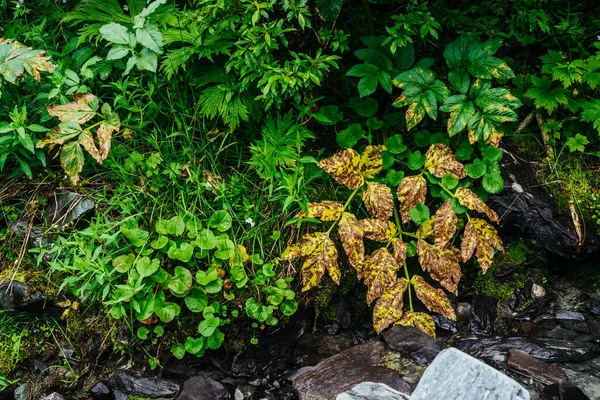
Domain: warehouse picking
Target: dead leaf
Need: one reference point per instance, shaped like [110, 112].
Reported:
[441, 161]
[411, 191]
[379, 200]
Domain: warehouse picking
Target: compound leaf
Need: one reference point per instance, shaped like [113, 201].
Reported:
[377, 229]
[470, 200]
[379, 271]
[441, 161]
[481, 238]
[444, 226]
[419, 320]
[351, 236]
[325, 211]
[441, 263]
[434, 299]
[345, 168]
[378, 200]
[388, 308]
[543, 96]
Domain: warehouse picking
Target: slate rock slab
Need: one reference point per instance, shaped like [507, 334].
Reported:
[343, 371]
[412, 342]
[203, 388]
[372, 391]
[563, 391]
[144, 387]
[15, 295]
[65, 208]
[534, 368]
[454, 375]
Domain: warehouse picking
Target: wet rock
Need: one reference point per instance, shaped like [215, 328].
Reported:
[454, 375]
[314, 348]
[573, 321]
[203, 388]
[245, 366]
[537, 291]
[15, 295]
[463, 312]
[549, 350]
[563, 391]
[371, 391]
[412, 342]
[66, 208]
[101, 392]
[53, 396]
[444, 323]
[244, 391]
[23, 392]
[144, 387]
[588, 382]
[482, 316]
[528, 212]
[534, 368]
[343, 371]
[35, 234]
[296, 373]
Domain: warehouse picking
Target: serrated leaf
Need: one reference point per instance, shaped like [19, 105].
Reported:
[459, 80]
[441, 161]
[470, 200]
[388, 308]
[377, 229]
[116, 33]
[461, 111]
[351, 236]
[379, 272]
[411, 191]
[370, 161]
[344, 167]
[543, 96]
[577, 143]
[72, 160]
[324, 258]
[399, 249]
[481, 238]
[441, 263]
[477, 57]
[434, 299]
[150, 37]
[79, 111]
[591, 72]
[419, 320]
[378, 200]
[591, 113]
[561, 70]
[15, 59]
[325, 211]
[444, 226]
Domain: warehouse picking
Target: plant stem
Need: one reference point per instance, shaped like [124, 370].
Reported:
[410, 306]
[345, 207]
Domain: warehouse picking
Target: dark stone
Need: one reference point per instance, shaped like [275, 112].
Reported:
[23, 392]
[534, 368]
[35, 234]
[549, 350]
[143, 387]
[563, 391]
[15, 295]
[66, 208]
[203, 388]
[444, 323]
[527, 211]
[483, 314]
[311, 349]
[454, 375]
[101, 392]
[337, 374]
[572, 320]
[412, 342]
[244, 366]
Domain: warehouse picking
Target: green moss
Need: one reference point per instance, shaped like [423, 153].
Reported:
[490, 286]
[15, 340]
[571, 185]
[517, 253]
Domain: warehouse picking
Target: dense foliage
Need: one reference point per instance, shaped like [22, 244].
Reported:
[207, 132]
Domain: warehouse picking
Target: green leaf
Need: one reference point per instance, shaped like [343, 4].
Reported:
[328, 115]
[123, 263]
[416, 160]
[221, 220]
[138, 237]
[118, 52]
[362, 70]
[289, 307]
[423, 138]
[394, 144]
[146, 267]
[477, 169]
[143, 332]
[206, 277]
[207, 327]
[478, 58]
[577, 143]
[181, 282]
[591, 113]
[393, 178]
[491, 154]
[449, 181]
[350, 136]
[146, 307]
[117, 33]
[385, 81]
[460, 80]
[160, 242]
[194, 345]
[365, 107]
[562, 70]
[367, 85]
[150, 37]
[183, 252]
[71, 160]
[206, 240]
[493, 182]
[178, 351]
[215, 340]
[543, 96]
[166, 311]
[461, 111]
[197, 300]
[159, 331]
[419, 214]
[147, 60]
[591, 74]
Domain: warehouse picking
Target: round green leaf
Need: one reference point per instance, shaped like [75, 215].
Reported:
[449, 181]
[215, 340]
[206, 240]
[422, 138]
[178, 351]
[220, 220]
[416, 160]
[143, 332]
[419, 214]
[160, 242]
[365, 107]
[493, 182]
[350, 136]
[289, 307]
[123, 263]
[196, 301]
[206, 277]
[146, 267]
[477, 169]
[207, 327]
[194, 345]
[181, 282]
[394, 144]
[167, 312]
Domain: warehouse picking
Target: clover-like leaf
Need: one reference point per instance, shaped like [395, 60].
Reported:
[325, 211]
[470, 200]
[434, 299]
[444, 226]
[441, 263]
[378, 229]
[379, 271]
[379, 200]
[481, 238]
[351, 236]
[441, 161]
[411, 191]
[388, 308]
[419, 320]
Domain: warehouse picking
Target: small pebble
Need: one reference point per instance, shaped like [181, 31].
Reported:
[537, 291]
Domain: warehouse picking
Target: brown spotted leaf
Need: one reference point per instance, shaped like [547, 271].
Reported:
[441, 264]
[441, 161]
[399, 249]
[379, 200]
[16, 59]
[371, 162]
[306, 246]
[411, 191]
[345, 168]
[470, 200]
[379, 271]
[80, 111]
[351, 236]
[434, 299]
[388, 308]
[419, 320]
[377, 229]
[324, 258]
[481, 238]
[72, 159]
[444, 226]
[325, 211]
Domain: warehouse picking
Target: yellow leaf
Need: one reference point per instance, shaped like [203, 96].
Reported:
[324, 258]
[351, 236]
[414, 114]
[411, 191]
[371, 162]
[79, 111]
[325, 211]
[399, 251]
[425, 231]
[379, 200]
[345, 168]
[470, 200]
[442, 264]
[434, 299]
[441, 161]
[388, 308]
[419, 320]
[239, 256]
[444, 226]
[307, 245]
[378, 230]
[379, 271]
[481, 238]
